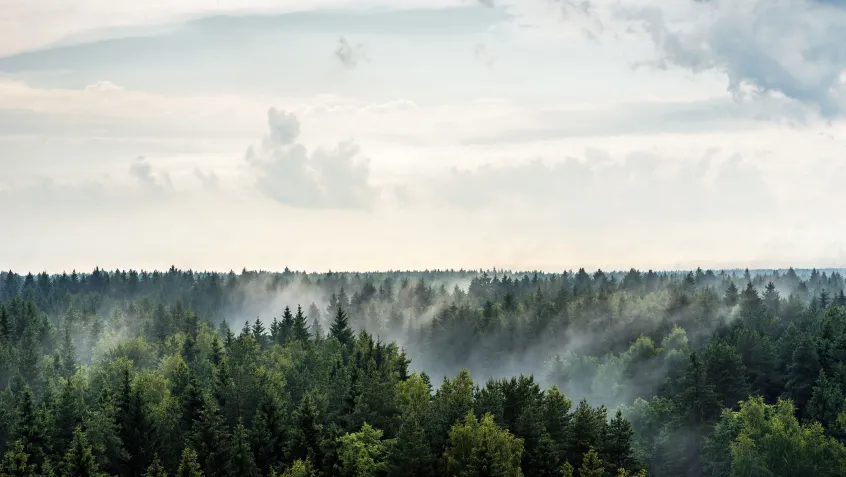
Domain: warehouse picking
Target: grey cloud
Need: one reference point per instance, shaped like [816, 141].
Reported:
[325, 178]
[796, 48]
[350, 56]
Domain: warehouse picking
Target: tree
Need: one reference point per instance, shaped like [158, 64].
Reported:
[299, 329]
[724, 369]
[15, 462]
[481, 448]
[617, 444]
[155, 469]
[732, 296]
[79, 461]
[340, 329]
[188, 466]
[241, 460]
[300, 468]
[67, 354]
[772, 442]
[802, 372]
[362, 454]
[592, 465]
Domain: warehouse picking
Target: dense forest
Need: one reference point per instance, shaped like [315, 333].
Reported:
[453, 373]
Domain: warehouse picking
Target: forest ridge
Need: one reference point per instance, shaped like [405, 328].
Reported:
[458, 373]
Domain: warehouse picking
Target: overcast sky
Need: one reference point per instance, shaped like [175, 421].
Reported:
[412, 134]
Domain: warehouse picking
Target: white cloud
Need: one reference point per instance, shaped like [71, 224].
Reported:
[287, 173]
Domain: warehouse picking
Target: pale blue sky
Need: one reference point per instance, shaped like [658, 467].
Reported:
[534, 134]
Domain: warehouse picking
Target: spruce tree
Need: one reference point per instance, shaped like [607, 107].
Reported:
[241, 461]
[592, 465]
[188, 466]
[15, 462]
[340, 329]
[79, 461]
[299, 329]
[617, 444]
[287, 326]
[155, 469]
[67, 354]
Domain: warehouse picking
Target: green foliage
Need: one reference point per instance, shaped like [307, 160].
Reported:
[15, 462]
[188, 466]
[362, 454]
[156, 469]
[79, 461]
[592, 465]
[481, 448]
[772, 440]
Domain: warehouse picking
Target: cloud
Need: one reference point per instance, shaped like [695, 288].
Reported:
[791, 48]
[325, 178]
[142, 171]
[600, 190]
[208, 179]
[348, 55]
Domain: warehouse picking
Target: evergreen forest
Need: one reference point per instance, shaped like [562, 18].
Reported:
[423, 373]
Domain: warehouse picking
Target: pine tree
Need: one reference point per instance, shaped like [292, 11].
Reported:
[5, 324]
[67, 354]
[15, 462]
[155, 469]
[287, 326]
[188, 466]
[340, 329]
[802, 373]
[241, 460]
[732, 296]
[79, 461]
[566, 469]
[299, 329]
[259, 332]
[617, 444]
[592, 465]
[211, 441]
[30, 428]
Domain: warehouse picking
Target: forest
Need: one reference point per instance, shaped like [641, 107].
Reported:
[423, 373]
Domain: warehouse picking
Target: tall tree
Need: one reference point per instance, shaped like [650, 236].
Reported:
[340, 329]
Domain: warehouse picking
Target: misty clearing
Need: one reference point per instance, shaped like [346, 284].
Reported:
[459, 373]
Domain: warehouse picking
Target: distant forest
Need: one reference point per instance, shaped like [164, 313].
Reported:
[433, 373]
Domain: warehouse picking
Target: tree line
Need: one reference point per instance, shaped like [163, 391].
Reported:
[729, 373]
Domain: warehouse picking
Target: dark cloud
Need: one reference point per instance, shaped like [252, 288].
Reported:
[325, 178]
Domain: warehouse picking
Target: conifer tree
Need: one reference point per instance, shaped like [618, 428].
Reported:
[155, 469]
[67, 354]
[241, 460]
[188, 466]
[592, 465]
[299, 329]
[15, 462]
[340, 329]
[79, 461]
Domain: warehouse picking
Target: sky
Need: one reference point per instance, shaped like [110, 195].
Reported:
[410, 134]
